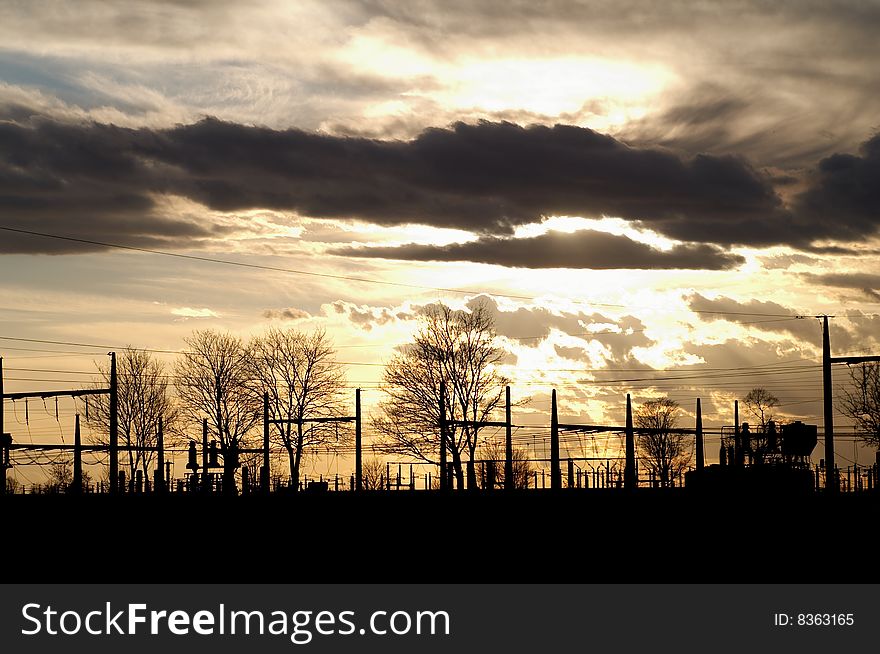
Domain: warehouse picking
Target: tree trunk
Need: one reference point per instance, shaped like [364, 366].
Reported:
[230, 461]
[132, 464]
[229, 487]
[297, 457]
[291, 459]
[472, 467]
[456, 466]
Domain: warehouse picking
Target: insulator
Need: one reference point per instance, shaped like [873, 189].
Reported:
[192, 463]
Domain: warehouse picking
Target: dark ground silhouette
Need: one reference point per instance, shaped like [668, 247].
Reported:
[569, 536]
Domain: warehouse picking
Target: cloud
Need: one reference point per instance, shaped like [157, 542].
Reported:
[528, 326]
[485, 178]
[854, 330]
[749, 118]
[844, 192]
[582, 249]
[797, 383]
[746, 78]
[82, 180]
[867, 283]
[188, 312]
[290, 313]
[786, 261]
[761, 315]
[367, 317]
[102, 182]
[531, 325]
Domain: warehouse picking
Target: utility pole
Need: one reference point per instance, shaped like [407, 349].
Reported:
[443, 477]
[831, 484]
[2, 436]
[555, 471]
[630, 482]
[223, 443]
[160, 479]
[738, 455]
[699, 430]
[358, 451]
[830, 477]
[205, 486]
[77, 459]
[114, 426]
[264, 477]
[5, 446]
[509, 482]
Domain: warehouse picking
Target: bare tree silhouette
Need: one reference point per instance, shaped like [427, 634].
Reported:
[60, 475]
[663, 450]
[761, 404]
[13, 486]
[861, 402]
[212, 379]
[298, 371]
[452, 346]
[145, 396]
[522, 464]
[372, 474]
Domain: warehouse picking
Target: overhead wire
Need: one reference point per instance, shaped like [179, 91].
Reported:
[351, 278]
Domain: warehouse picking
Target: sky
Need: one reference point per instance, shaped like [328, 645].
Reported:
[655, 198]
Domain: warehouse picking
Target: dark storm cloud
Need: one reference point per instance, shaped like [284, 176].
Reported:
[845, 192]
[581, 249]
[83, 181]
[94, 179]
[484, 178]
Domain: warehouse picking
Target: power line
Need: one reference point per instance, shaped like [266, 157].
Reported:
[717, 373]
[358, 363]
[256, 266]
[90, 345]
[378, 345]
[363, 280]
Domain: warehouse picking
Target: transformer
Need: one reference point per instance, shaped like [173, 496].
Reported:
[790, 445]
[773, 459]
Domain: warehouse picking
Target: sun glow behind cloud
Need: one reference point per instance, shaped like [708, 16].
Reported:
[550, 86]
[616, 226]
[600, 92]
